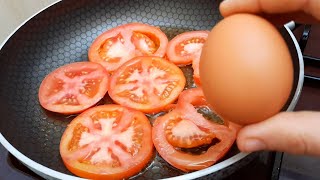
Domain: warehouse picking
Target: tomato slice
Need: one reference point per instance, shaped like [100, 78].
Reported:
[196, 97]
[193, 96]
[74, 87]
[108, 141]
[183, 128]
[120, 44]
[186, 48]
[147, 84]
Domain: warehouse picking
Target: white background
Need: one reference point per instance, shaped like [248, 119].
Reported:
[14, 12]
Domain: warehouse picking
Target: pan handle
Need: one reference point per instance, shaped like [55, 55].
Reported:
[308, 60]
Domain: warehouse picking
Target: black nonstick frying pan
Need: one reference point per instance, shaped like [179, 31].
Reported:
[61, 34]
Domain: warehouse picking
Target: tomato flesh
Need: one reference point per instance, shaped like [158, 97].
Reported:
[107, 141]
[190, 47]
[113, 49]
[178, 136]
[144, 43]
[118, 45]
[147, 84]
[194, 131]
[74, 87]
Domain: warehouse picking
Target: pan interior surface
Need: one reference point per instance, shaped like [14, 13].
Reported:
[62, 34]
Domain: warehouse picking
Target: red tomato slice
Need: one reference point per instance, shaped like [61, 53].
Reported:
[147, 84]
[185, 128]
[186, 48]
[193, 96]
[74, 87]
[235, 126]
[196, 97]
[118, 45]
[107, 142]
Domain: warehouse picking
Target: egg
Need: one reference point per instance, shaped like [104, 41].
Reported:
[246, 69]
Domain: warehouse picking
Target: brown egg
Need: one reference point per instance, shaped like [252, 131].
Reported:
[246, 69]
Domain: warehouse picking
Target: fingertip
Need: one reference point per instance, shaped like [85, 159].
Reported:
[251, 145]
[241, 140]
[249, 139]
[224, 7]
[294, 133]
[240, 145]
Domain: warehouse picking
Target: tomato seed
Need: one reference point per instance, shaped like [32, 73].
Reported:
[74, 142]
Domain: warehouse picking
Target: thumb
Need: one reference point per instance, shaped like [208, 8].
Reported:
[291, 132]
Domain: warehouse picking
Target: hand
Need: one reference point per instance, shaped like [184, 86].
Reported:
[277, 11]
[292, 132]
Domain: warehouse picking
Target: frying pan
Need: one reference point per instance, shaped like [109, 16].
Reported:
[61, 34]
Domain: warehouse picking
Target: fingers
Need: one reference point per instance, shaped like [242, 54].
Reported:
[291, 132]
[306, 7]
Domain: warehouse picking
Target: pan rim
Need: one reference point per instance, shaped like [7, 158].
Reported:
[289, 26]
[50, 173]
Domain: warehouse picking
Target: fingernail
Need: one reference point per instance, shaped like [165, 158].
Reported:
[225, 7]
[226, 3]
[254, 145]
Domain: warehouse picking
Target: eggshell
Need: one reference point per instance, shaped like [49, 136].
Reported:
[246, 69]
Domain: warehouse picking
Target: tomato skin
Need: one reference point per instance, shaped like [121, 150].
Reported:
[129, 48]
[66, 83]
[153, 77]
[74, 158]
[186, 111]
